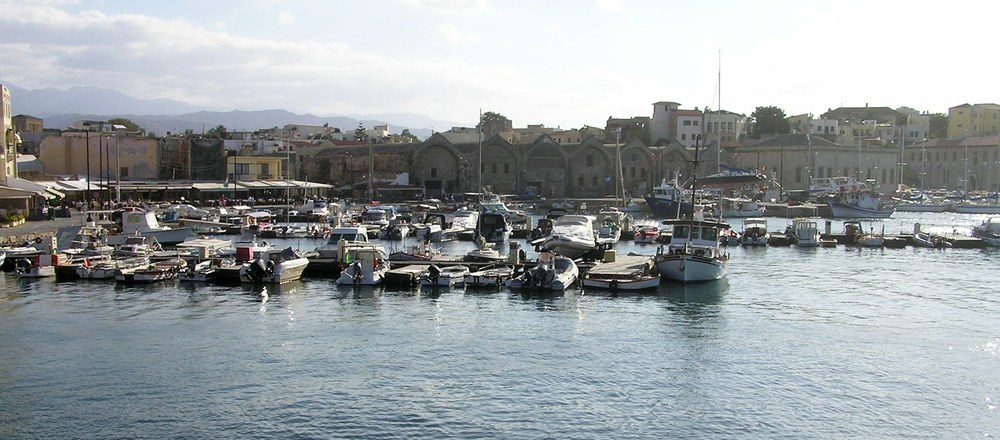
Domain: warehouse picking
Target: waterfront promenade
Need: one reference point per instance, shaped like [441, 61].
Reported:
[31, 229]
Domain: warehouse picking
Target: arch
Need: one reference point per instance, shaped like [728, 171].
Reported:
[545, 168]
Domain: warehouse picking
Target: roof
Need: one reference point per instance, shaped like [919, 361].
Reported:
[794, 140]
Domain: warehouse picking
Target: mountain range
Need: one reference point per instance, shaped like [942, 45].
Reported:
[61, 108]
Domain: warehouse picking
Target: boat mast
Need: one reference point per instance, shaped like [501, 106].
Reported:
[718, 119]
[480, 166]
[619, 178]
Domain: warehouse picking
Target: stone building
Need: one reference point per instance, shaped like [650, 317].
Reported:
[951, 162]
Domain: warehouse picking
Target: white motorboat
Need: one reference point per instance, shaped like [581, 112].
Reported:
[552, 272]
[144, 223]
[366, 266]
[349, 234]
[738, 207]
[754, 232]
[610, 222]
[493, 227]
[447, 276]
[693, 254]
[38, 266]
[274, 266]
[201, 271]
[489, 277]
[572, 236]
[465, 221]
[806, 232]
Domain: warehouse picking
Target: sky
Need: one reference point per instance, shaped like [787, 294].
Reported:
[561, 63]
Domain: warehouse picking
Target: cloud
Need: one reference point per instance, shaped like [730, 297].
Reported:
[450, 6]
[456, 36]
[285, 18]
[611, 5]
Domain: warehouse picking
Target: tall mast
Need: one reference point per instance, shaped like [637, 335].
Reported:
[480, 166]
[718, 119]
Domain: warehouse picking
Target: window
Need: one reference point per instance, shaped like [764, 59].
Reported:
[593, 181]
[845, 171]
[590, 160]
[892, 175]
[632, 170]
[684, 136]
[954, 156]
[642, 173]
[694, 122]
[264, 168]
[242, 168]
[687, 122]
[819, 171]
[506, 168]
[123, 172]
[434, 172]
[493, 167]
[829, 172]
[883, 175]
[579, 181]
[937, 157]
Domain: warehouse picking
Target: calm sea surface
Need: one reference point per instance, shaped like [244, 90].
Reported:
[796, 343]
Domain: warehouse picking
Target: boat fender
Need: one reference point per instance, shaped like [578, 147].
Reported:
[23, 265]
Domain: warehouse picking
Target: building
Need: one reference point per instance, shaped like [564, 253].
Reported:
[689, 127]
[31, 130]
[10, 139]
[663, 124]
[965, 163]
[794, 159]
[973, 120]
[101, 155]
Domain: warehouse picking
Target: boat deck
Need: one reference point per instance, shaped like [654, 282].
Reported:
[623, 264]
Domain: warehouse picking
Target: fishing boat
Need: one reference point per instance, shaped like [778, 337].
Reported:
[667, 200]
[552, 272]
[694, 253]
[738, 207]
[104, 268]
[447, 276]
[274, 266]
[859, 204]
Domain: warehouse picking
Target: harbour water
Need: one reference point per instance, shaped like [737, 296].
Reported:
[795, 343]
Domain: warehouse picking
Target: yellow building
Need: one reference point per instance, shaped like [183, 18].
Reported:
[973, 120]
[254, 167]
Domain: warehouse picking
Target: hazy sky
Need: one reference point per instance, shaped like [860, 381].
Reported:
[554, 62]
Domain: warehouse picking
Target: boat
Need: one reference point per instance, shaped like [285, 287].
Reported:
[694, 253]
[859, 204]
[104, 268]
[988, 231]
[397, 229]
[574, 236]
[667, 201]
[647, 234]
[447, 276]
[198, 271]
[366, 266]
[437, 227]
[39, 266]
[738, 207]
[349, 234]
[494, 277]
[551, 272]
[806, 232]
[164, 270]
[542, 229]
[828, 242]
[754, 232]
[143, 223]
[731, 176]
[620, 277]
[274, 266]
[484, 252]
[465, 222]
[870, 238]
[977, 208]
[925, 240]
[378, 215]
[137, 246]
[493, 226]
[610, 223]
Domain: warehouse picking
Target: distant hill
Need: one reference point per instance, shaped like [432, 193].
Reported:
[62, 108]
[49, 101]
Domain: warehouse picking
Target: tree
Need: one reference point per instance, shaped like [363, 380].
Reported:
[408, 136]
[492, 123]
[767, 121]
[219, 132]
[359, 133]
[939, 125]
[128, 123]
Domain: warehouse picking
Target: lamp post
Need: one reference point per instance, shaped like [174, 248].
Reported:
[371, 170]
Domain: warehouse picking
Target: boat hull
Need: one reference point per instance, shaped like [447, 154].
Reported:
[843, 210]
[663, 208]
[687, 268]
